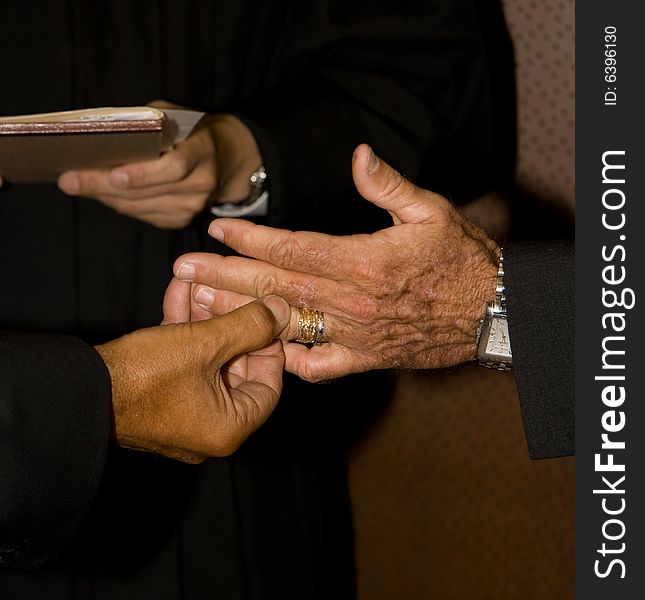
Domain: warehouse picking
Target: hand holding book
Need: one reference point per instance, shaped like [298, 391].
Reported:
[139, 165]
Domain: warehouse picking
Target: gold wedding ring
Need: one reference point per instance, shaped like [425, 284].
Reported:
[311, 326]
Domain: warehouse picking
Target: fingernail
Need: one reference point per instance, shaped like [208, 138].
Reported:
[70, 184]
[205, 296]
[186, 271]
[372, 162]
[215, 231]
[120, 178]
[280, 310]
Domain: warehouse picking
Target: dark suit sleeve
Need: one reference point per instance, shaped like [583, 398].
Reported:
[55, 420]
[409, 78]
[539, 279]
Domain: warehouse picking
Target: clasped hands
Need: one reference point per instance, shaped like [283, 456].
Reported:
[409, 296]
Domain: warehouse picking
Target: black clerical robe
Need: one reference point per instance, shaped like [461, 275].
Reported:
[312, 80]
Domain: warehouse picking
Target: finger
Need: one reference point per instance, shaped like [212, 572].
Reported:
[266, 366]
[258, 279]
[255, 401]
[304, 251]
[176, 302]
[218, 302]
[84, 183]
[165, 104]
[171, 167]
[171, 209]
[248, 328]
[232, 281]
[134, 180]
[257, 366]
[234, 372]
[256, 396]
[161, 220]
[324, 362]
[379, 183]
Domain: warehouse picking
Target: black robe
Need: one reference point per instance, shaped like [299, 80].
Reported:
[539, 278]
[312, 80]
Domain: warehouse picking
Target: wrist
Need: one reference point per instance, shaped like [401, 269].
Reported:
[237, 155]
[483, 288]
[122, 388]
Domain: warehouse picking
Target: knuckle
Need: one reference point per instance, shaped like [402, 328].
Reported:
[192, 459]
[265, 284]
[178, 221]
[88, 186]
[395, 187]
[186, 207]
[262, 319]
[227, 448]
[310, 373]
[178, 166]
[283, 251]
[131, 193]
[368, 268]
[204, 180]
[305, 293]
[367, 310]
[137, 177]
[364, 309]
[166, 223]
[444, 213]
[123, 207]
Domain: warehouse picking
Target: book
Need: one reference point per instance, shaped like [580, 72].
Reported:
[38, 148]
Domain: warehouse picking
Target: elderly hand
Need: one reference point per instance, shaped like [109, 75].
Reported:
[213, 163]
[178, 391]
[410, 296]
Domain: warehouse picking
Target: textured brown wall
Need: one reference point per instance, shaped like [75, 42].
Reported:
[447, 504]
[543, 38]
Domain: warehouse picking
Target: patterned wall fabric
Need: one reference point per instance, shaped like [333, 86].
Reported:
[543, 37]
[447, 504]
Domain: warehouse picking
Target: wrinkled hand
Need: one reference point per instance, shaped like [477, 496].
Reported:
[410, 296]
[177, 389]
[214, 162]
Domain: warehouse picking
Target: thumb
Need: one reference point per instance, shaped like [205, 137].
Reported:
[248, 328]
[164, 104]
[176, 302]
[379, 183]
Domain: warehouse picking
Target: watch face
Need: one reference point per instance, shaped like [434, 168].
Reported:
[495, 345]
[498, 340]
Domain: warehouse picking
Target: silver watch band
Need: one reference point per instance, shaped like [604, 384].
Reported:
[496, 364]
[493, 342]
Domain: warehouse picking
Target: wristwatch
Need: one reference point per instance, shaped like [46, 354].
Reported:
[493, 340]
[255, 205]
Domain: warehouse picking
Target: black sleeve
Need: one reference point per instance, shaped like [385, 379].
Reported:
[539, 279]
[55, 420]
[409, 78]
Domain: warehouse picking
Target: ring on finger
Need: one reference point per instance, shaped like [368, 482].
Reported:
[311, 326]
